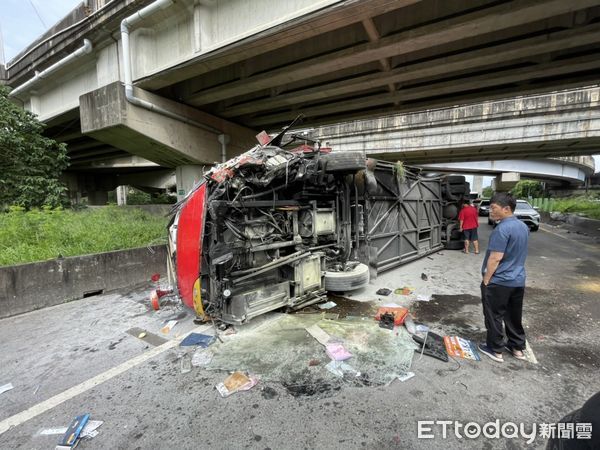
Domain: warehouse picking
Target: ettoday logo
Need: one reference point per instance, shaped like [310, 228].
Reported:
[432, 429]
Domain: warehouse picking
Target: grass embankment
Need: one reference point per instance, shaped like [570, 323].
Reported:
[40, 235]
[578, 205]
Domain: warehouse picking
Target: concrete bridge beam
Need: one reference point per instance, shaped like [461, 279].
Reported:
[552, 124]
[154, 179]
[107, 116]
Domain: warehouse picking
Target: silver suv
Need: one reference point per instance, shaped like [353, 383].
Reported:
[525, 213]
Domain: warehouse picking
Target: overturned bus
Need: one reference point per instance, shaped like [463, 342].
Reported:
[275, 228]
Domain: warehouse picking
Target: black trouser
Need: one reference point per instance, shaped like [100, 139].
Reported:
[503, 304]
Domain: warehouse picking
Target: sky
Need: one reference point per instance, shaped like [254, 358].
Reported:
[21, 25]
[22, 21]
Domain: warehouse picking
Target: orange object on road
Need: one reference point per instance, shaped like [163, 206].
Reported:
[154, 300]
[398, 312]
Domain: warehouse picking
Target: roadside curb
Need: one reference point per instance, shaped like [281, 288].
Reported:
[573, 222]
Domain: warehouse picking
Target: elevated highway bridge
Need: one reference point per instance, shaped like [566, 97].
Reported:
[182, 82]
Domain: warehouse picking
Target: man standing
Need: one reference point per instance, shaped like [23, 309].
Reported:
[503, 284]
[469, 222]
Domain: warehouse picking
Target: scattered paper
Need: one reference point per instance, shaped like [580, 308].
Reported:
[337, 352]
[235, 382]
[253, 382]
[327, 305]
[91, 434]
[423, 298]
[6, 387]
[91, 429]
[52, 431]
[168, 327]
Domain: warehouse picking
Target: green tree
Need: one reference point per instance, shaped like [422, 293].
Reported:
[30, 164]
[527, 188]
[487, 192]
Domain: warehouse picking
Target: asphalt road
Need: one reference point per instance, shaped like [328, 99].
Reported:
[78, 357]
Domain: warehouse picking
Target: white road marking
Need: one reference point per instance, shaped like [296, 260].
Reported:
[568, 239]
[70, 393]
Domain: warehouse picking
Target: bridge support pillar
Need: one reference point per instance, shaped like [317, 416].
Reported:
[477, 184]
[186, 177]
[74, 187]
[122, 195]
[506, 181]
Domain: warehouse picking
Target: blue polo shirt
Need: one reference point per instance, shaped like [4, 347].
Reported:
[509, 237]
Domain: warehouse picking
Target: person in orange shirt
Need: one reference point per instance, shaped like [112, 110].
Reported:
[469, 222]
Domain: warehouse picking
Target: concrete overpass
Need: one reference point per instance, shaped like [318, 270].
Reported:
[106, 175]
[167, 82]
[571, 170]
[565, 123]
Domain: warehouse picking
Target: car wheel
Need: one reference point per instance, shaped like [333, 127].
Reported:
[535, 228]
[344, 162]
[347, 281]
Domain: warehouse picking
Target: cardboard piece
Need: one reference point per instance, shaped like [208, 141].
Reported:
[461, 348]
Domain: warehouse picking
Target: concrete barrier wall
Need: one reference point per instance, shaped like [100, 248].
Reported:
[581, 224]
[27, 287]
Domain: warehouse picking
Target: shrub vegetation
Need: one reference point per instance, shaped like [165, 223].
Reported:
[41, 234]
